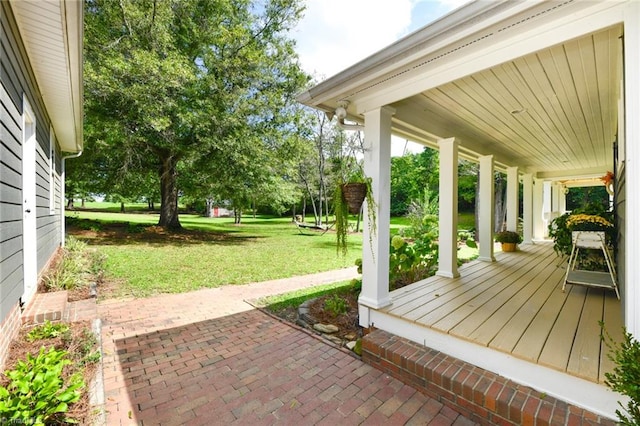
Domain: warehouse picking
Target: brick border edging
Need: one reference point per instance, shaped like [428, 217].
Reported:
[9, 330]
[478, 394]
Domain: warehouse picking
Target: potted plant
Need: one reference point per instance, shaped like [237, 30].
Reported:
[508, 239]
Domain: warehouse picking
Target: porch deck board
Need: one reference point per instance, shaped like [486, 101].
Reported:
[511, 333]
[459, 292]
[509, 310]
[561, 335]
[516, 305]
[613, 328]
[587, 341]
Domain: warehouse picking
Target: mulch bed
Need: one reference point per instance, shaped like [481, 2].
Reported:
[81, 410]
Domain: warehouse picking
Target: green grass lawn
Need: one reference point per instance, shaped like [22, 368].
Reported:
[259, 249]
[280, 302]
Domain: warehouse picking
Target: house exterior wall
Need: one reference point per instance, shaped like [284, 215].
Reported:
[17, 80]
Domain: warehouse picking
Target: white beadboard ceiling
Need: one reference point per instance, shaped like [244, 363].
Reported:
[51, 31]
[553, 112]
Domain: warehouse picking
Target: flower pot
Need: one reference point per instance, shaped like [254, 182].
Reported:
[509, 246]
[354, 195]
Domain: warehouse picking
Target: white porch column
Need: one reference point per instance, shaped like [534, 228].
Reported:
[556, 194]
[527, 208]
[448, 209]
[512, 199]
[632, 168]
[547, 208]
[562, 199]
[375, 246]
[538, 224]
[486, 209]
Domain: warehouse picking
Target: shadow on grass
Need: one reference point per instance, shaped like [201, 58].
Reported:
[95, 232]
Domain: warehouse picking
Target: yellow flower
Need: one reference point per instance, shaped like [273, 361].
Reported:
[578, 219]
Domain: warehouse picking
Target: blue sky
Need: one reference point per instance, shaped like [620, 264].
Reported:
[335, 34]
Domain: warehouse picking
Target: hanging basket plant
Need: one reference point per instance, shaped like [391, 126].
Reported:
[348, 199]
[354, 194]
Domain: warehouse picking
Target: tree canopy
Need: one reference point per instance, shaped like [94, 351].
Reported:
[196, 92]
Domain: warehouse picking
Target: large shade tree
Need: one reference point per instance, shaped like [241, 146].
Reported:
[182, 88]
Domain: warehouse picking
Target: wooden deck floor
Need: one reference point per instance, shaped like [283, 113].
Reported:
[516, 305]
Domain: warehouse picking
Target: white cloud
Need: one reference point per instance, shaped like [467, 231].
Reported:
[335, 34]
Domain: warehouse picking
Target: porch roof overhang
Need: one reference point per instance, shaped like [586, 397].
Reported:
[536, 84]
[52, 33]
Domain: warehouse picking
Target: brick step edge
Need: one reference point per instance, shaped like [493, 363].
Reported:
[478, 394]
[45, 307]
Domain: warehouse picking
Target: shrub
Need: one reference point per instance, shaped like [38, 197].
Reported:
[410, 262]
[413, 255]
[625, 377]
[36, 393]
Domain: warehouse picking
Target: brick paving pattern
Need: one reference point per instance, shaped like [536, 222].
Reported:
[209, 358]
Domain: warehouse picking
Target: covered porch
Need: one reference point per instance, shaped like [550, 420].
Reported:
[512, 317]
[516, 306]
[548, 93]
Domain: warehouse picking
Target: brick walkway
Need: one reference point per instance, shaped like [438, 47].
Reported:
[208, 357]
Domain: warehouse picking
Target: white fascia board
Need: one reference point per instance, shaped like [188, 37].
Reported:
[537, 35]
[56, 61]
[456, 25]
[74, 33]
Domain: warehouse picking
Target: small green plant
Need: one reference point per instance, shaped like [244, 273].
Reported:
[336, 305]
[508, 237]
[625, 377]
[37, 393]
[86, 351]
[358, 347]
[48, 330]
[358, 264]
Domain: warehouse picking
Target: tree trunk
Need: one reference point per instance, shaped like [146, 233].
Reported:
[121, 206]
[237, 216]
[304, 209]
[70, 203]
[169, 194]
[82, 202]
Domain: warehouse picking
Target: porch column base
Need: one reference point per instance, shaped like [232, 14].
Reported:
[374, 303]
[487, 259]
[447, 274]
